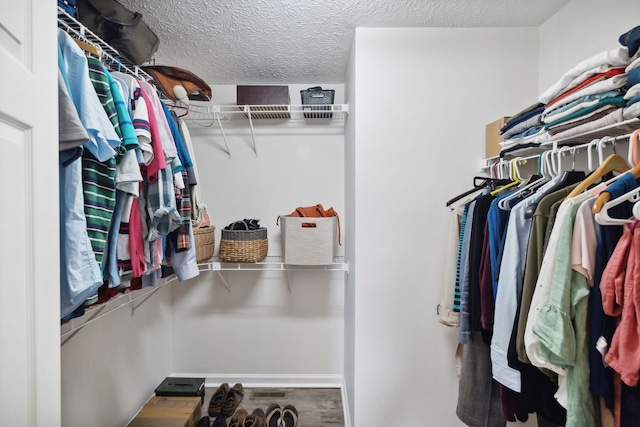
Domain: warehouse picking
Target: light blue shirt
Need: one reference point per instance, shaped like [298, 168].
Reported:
[509, 291]
[80, 274]
[75, 70]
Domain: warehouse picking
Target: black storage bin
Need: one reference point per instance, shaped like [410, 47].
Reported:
[176, 386]
[317, 99]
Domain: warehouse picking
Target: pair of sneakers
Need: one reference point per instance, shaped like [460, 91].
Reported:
[286, 416]
[225, 400]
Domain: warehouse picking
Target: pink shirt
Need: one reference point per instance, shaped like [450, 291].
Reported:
[158, 161]
[620, 299]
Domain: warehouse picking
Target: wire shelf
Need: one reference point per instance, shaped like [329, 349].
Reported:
[257, 112]
[108, 53]
[271, 263]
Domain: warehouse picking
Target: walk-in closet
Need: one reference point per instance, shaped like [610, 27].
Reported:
[367, 336]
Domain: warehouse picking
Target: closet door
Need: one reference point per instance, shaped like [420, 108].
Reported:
[29, 272]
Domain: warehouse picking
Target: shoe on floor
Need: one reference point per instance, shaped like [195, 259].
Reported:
[273, 415]
[232, 400]
[220, 421]
[289, 416]
[204, 422]
[215, 404]
[237, 420]
[255, 419]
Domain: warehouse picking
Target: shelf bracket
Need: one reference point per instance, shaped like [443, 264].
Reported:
[74, 330]
[216, 114]
[253, 136]
[223, 280]
[148, 295]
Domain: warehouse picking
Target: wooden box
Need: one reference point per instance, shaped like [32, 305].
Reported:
[493, 138]
[169, 411]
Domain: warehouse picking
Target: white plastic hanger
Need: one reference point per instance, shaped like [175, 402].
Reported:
[504, 203]
[603, 217]
[613, 163]
[636, 210]
[554, 161]
[592, 144]
[514, 175]
[547, 161]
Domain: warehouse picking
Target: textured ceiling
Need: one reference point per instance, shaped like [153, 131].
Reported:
[303, 41]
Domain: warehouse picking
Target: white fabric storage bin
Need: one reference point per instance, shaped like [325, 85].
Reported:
[308, 241]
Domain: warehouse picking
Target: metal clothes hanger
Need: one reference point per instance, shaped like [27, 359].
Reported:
[184, 109]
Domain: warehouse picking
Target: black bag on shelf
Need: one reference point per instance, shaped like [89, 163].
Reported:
[121, 28]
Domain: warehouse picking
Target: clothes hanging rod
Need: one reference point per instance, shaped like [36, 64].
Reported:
[108, 54]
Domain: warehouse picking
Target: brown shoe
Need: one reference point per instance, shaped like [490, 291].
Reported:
[256, 419]
[232, 400]
[215, 404]
[238, 418]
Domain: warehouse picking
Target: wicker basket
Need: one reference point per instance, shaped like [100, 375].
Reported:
[243, 246]
[205, 242]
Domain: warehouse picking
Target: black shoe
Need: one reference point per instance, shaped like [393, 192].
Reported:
[289, 416]
[273, 415]
[220, 421]
[204, 422]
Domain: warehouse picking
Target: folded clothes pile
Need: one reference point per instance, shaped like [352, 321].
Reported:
[632, 41]
[593, 94]
[524, 129]
[601, 90]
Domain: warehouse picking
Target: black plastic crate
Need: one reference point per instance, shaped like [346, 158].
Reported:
[176, 386]
[315, 100]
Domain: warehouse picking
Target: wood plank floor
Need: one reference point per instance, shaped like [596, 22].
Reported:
[317, 407]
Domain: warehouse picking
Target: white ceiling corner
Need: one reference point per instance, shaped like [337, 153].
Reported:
[303, 41]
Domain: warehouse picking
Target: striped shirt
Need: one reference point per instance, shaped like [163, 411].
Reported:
[98, 178]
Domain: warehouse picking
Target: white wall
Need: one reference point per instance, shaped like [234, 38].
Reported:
[111, 366]
[580, 30]
[258, 327]
[419, 101]
[423, 98]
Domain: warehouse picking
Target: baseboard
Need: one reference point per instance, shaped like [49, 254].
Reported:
[270, 380]
[279, 381]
